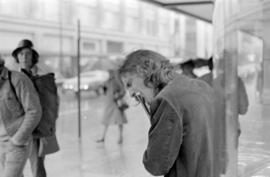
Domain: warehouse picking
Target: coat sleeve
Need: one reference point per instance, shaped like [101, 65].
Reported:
[30, 102]
[164, 139]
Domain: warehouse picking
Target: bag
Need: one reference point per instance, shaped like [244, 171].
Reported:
[122, 104]
[47, 91]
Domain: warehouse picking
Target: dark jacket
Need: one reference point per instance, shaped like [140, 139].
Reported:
[181, 134]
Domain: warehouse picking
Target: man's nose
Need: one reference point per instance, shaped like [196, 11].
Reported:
[23, 55]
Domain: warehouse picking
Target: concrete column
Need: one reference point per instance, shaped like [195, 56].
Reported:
[266, 56]
[231, 107]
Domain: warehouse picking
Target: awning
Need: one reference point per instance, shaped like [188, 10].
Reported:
[200, 9]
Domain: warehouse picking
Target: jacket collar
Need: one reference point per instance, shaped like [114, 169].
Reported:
[4, 73]
[28, 73]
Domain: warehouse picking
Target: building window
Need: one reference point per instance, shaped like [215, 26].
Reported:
[11, 8]
[132, 24]
[51, 10]
[150, 20]
[37, 10]
[114, 47]
[89, 46]
[6, 7]
[87, 15]
[91, 3]
[111, 20]
[150, 27]
[68, 12]
[132, 4]
[132, 16]
[164, 23]
[111, 5]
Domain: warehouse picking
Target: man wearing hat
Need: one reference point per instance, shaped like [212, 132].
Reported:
[20, 112]
[27, 58]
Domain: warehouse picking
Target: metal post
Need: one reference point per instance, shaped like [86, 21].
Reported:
[79, 78]
[60, 63]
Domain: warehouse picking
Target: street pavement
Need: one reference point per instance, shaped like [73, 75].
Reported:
[83, 157]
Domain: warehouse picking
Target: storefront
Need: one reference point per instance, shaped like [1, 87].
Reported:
[241, 50]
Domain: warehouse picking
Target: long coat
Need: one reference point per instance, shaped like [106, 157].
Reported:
[114, 90]
[18, 122]
[180, 141]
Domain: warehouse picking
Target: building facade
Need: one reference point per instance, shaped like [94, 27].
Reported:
[109, 29]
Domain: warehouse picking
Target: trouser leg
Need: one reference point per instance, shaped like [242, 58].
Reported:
[37, 163]
[2, 158]
[15, 159]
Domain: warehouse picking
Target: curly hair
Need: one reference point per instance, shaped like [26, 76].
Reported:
[156, 70]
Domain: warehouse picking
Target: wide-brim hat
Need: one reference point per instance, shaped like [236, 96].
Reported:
[25, 43]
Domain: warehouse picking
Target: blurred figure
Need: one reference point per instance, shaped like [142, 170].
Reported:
[243, 102]
[27, 58]
[180, 139]
[20, 113]
[219, 122]
[220, 131]
[187, 68]
[113, 112]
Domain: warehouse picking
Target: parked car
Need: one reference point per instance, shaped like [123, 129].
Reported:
[89, 81]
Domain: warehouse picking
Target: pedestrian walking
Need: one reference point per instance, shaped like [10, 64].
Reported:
[20, 113]
[114, 112]
[180, 139]
[27, 58]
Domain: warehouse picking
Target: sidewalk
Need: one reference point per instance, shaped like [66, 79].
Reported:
[86, 158]
[254, 147]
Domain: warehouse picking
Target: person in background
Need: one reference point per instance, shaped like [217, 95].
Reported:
[220, 132]
[187, 68]
[208, 77]
[243, 102]
[218, 84]
[113, 114]
[20, 113]
[180, 139]
[27, 58]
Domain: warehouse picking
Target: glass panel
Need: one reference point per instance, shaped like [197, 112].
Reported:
[241, 55]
